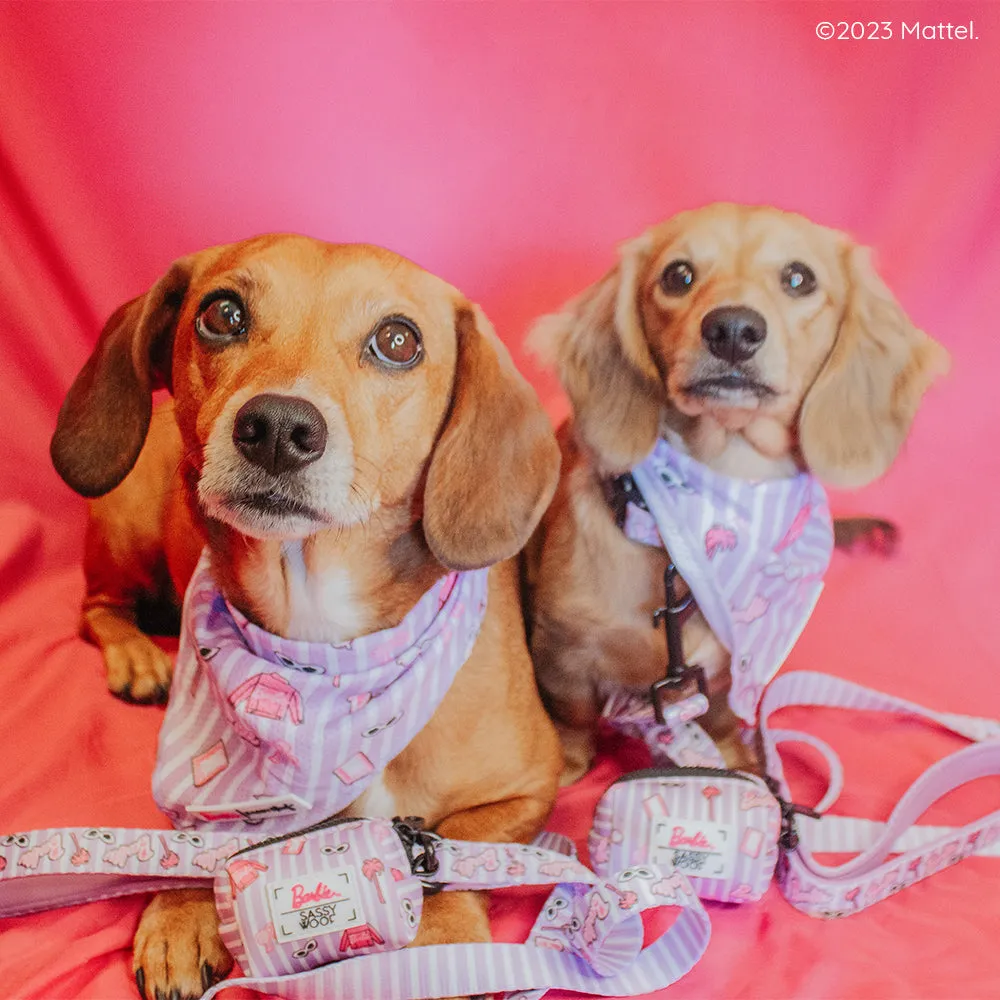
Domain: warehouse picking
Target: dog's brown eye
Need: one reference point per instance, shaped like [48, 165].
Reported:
[396, 343]
[677, 277]
[797, 279]
[222, 318]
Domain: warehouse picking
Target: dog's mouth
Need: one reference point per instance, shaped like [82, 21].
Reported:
[266, 514]
[732, 389]
[274, 504]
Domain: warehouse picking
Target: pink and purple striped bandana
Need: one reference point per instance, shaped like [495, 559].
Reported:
[261, 728]
[753, 553]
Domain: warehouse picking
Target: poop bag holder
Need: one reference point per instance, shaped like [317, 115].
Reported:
[719, 828]
[327, 893]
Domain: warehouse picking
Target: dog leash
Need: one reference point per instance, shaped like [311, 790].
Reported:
[893, 854]
[328, 910]
[726, 831]
[729, 832]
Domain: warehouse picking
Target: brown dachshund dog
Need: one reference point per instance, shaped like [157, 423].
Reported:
[757, 342]
[392, 440]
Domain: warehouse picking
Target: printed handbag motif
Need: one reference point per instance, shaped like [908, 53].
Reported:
[720, 828]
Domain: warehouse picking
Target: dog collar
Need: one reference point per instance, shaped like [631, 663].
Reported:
[264, 728]
[752, 553]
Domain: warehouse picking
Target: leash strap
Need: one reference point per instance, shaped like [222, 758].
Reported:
[663, 719]
[677, 740]
[680, 680]
[50, 868]
[588, 938]
[594, 930]
[893, 854]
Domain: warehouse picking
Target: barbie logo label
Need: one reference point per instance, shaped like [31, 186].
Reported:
[315, 903]
[696, 848]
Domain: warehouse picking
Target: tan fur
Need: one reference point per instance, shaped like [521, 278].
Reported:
[847, 370]
[417, 460]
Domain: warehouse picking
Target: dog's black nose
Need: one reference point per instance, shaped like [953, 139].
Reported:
[733, 333]
[279, 433]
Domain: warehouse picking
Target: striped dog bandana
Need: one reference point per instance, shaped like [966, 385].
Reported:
[264, 728]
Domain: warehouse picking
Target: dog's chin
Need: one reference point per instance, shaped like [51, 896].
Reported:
[267, 515]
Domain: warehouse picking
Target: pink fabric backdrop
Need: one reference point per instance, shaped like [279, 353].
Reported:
[508, 148]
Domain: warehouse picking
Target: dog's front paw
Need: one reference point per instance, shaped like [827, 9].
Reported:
[138, 670]
[178, 953]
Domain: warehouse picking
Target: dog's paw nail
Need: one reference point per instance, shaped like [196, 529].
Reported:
[159, 994]
[161, 694]
[175, 994]
[207, 976]
[140, 982]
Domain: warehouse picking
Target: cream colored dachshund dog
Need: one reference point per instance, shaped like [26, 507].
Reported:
[756, 342]
[345, 429]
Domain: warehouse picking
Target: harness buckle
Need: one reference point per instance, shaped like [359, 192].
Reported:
[420, 846]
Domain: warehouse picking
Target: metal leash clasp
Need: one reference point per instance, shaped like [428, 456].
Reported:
[679, 677]
[789, 836]
[420, 846]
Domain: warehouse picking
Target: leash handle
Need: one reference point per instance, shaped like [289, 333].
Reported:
[893, 854]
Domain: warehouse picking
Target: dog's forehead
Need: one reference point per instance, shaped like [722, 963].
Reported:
[745, 235]
[295, 275]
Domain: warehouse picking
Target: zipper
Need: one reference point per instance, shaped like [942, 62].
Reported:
[418, 844]
[686, 772]
[324, 824]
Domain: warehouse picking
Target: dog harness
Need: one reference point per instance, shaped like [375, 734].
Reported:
[264, 728]
[753, 554]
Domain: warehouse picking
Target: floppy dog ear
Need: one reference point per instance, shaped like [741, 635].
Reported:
[859, 410]
[599, 349]
[496, 463]
[103, 421]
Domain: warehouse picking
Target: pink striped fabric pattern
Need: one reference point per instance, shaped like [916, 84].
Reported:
[894, 854]
[45, 869]
[718, 828]
[264, 729]
[753, 553]
[327, 911]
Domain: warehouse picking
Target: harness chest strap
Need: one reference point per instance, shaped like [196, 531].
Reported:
[588, 938]
[893, 854]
